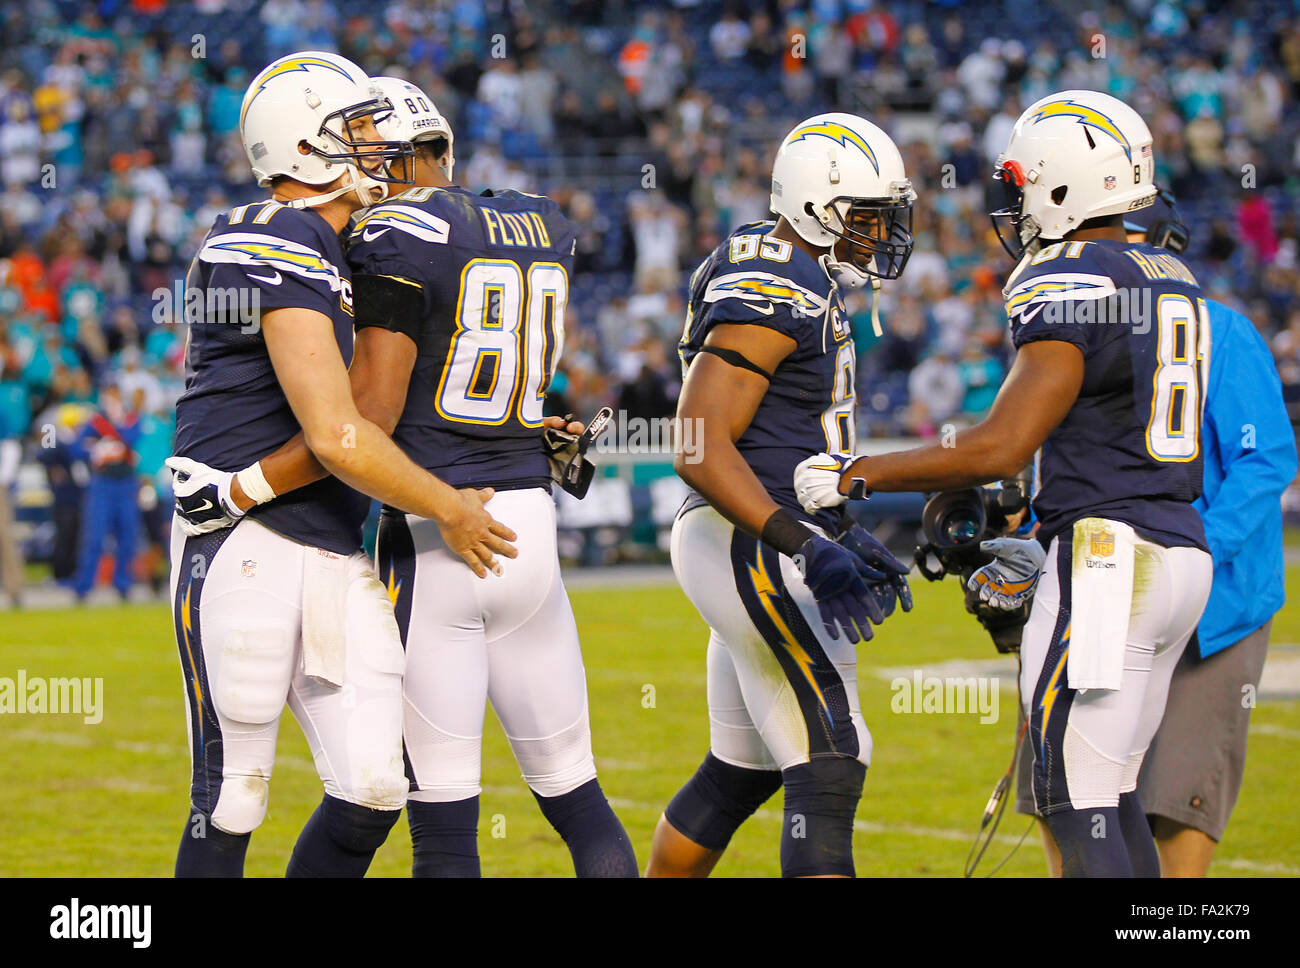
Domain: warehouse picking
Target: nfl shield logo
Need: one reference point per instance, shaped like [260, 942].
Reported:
[248, 568]
[1110, 182]
[1101, 542]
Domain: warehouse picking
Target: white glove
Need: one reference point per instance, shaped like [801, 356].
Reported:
[1008, 581]
[817, 480]
[202, 493]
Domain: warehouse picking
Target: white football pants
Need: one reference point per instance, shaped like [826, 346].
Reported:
[780, 689]
[510, 639]
[238, 611]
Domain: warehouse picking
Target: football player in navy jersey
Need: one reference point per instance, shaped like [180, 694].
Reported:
[284, 606]
[768, 368]
[1113, 345]
[460, 302]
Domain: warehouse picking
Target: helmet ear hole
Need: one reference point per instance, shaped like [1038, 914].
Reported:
[1058, 194]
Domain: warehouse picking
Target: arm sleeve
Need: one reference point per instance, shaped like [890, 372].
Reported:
[1058, 321]
[392, 301]
[736, 314]
[285, 270]
[78, 447]
[1256, 446]
[1059, 305]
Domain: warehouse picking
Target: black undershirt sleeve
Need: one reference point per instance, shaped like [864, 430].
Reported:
[389, 303]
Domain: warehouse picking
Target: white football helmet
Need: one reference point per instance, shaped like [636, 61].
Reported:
[308, 99]
[832, 173]
[414, 117]
[1072, 156]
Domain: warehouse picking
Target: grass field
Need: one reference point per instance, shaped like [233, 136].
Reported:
[110, 799]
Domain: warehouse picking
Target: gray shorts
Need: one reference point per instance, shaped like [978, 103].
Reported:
[1192, 771]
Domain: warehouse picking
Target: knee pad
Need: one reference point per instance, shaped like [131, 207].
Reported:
[241, 804]
[444, 767]
[354, 828]
[821, 798]
[713, 804]
[253, 678]
[386, 790]
[558, 764]
[1093, 778]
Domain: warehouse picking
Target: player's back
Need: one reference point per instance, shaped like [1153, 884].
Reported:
[1129, 448]
[492, 271]
[753, 279]
[255, 259]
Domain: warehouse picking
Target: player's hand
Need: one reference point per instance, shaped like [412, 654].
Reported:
[203, 502]
[891, 587]
[1008, 581]
[566, 441]
[817, 480]
[472, 533]
[837, 579]
[565, 425]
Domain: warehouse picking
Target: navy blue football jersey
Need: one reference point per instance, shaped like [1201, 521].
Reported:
[261, 257]
[492, 272]
[1129, 449]
[751, 279]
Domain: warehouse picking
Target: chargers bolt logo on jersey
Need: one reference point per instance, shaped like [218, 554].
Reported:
[1090, 117]
[761, 290]
[254, 249]
[837, 132]
[423, 225]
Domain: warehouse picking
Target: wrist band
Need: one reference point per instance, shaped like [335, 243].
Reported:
[253, 483]
[784, 532]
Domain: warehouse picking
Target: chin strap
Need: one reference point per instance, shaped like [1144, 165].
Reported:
[849, 277]
[363, 186]
[875, 308]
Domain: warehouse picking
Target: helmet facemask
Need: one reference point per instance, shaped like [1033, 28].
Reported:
[370, 160]
[877, 233]
[1016, 230]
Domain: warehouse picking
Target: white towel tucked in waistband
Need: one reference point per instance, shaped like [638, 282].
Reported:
[324, 629]
[1101, 600]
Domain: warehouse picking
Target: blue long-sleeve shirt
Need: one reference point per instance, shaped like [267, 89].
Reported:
[108, 447]
[1250, 458]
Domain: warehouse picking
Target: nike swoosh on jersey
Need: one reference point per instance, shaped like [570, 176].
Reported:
[274, 280]
[370, 234]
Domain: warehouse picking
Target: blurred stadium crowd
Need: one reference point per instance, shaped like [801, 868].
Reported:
[653, 125]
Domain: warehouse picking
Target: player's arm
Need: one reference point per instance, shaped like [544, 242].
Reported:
[720, 399]
[721, 394]
[349, 446]
[1039, 391]
[379, 376]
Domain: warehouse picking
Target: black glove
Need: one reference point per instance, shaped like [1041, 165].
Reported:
[890, 586]
[837, 579]
[567, 453]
